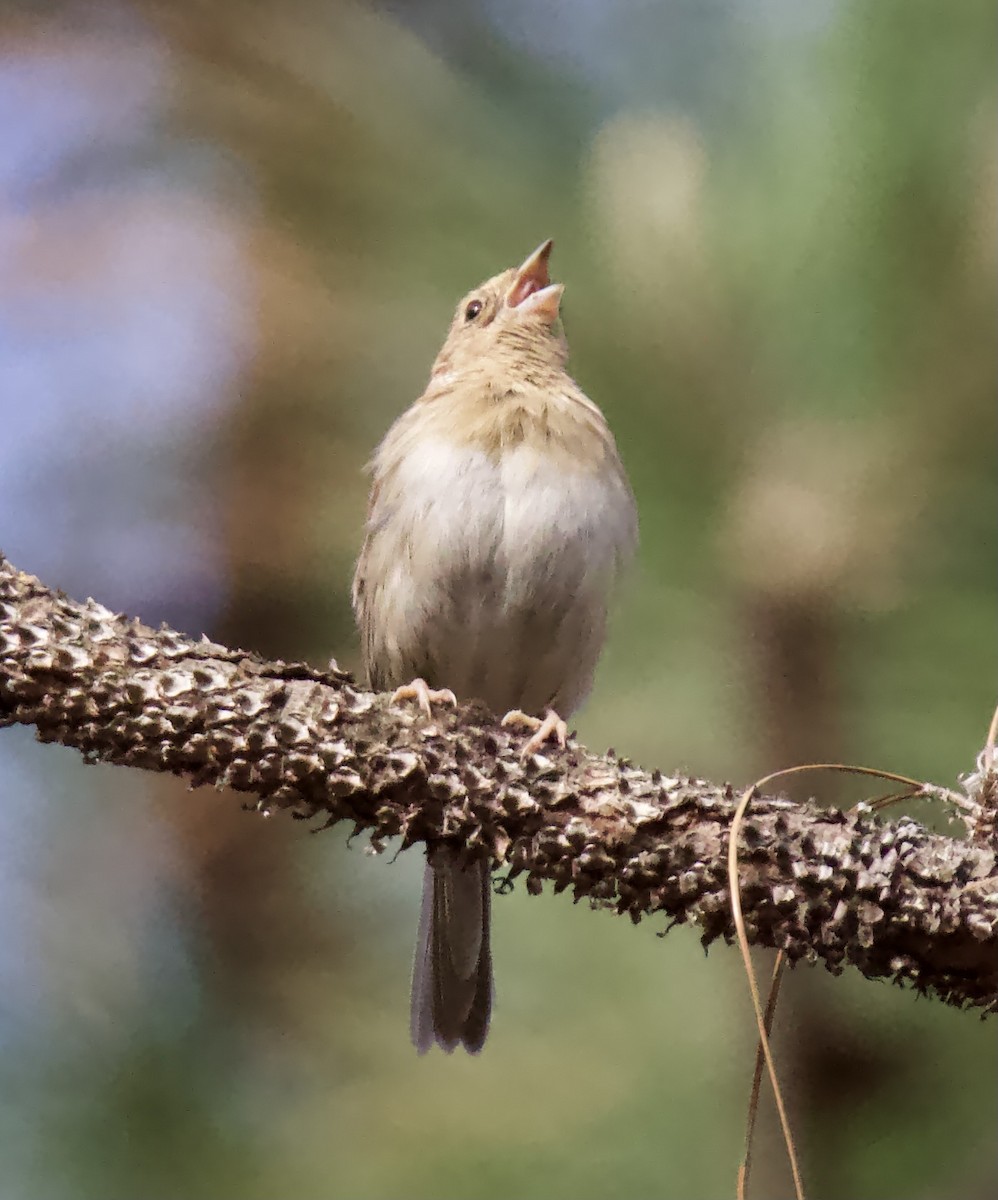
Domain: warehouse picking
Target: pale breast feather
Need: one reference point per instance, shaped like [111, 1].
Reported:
[489, 572]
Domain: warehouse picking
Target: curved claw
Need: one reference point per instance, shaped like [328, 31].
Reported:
[424, 695]
[551, 725]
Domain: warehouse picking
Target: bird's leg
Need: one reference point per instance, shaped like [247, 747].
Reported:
[424, 696]
[544, 728]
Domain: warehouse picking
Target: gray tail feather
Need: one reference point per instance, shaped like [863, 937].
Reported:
[452, 969]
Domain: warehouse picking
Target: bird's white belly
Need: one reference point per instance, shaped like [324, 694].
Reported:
[501, 583]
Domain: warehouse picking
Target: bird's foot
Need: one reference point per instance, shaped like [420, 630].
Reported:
[551, 725]
[424, 695]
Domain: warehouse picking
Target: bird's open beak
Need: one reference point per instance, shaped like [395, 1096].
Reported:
[532, 289]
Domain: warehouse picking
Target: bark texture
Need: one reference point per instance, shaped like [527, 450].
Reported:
[889, 898]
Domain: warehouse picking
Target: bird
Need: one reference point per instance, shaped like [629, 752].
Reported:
[500, 517]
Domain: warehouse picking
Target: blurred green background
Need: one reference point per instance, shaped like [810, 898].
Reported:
[231, 237]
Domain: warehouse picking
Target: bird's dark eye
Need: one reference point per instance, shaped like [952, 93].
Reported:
[473, 309]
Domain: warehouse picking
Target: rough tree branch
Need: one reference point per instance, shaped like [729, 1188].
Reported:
[891, 899]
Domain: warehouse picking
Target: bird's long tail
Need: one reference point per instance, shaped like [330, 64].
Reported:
[452, 970]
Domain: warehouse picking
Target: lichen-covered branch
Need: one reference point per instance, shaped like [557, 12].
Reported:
[891, 899]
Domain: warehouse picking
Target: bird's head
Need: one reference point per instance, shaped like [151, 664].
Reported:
[511, 320]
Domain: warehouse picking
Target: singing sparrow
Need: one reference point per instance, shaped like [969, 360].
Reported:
[499, 516]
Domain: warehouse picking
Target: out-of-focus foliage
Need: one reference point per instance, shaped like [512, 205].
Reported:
[231, 237]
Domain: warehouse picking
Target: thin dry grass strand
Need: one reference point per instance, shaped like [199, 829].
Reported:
[743, 947]
[764, 1020]
[989, 744]
[779, 966]
[882, 802]
[753, 1108]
